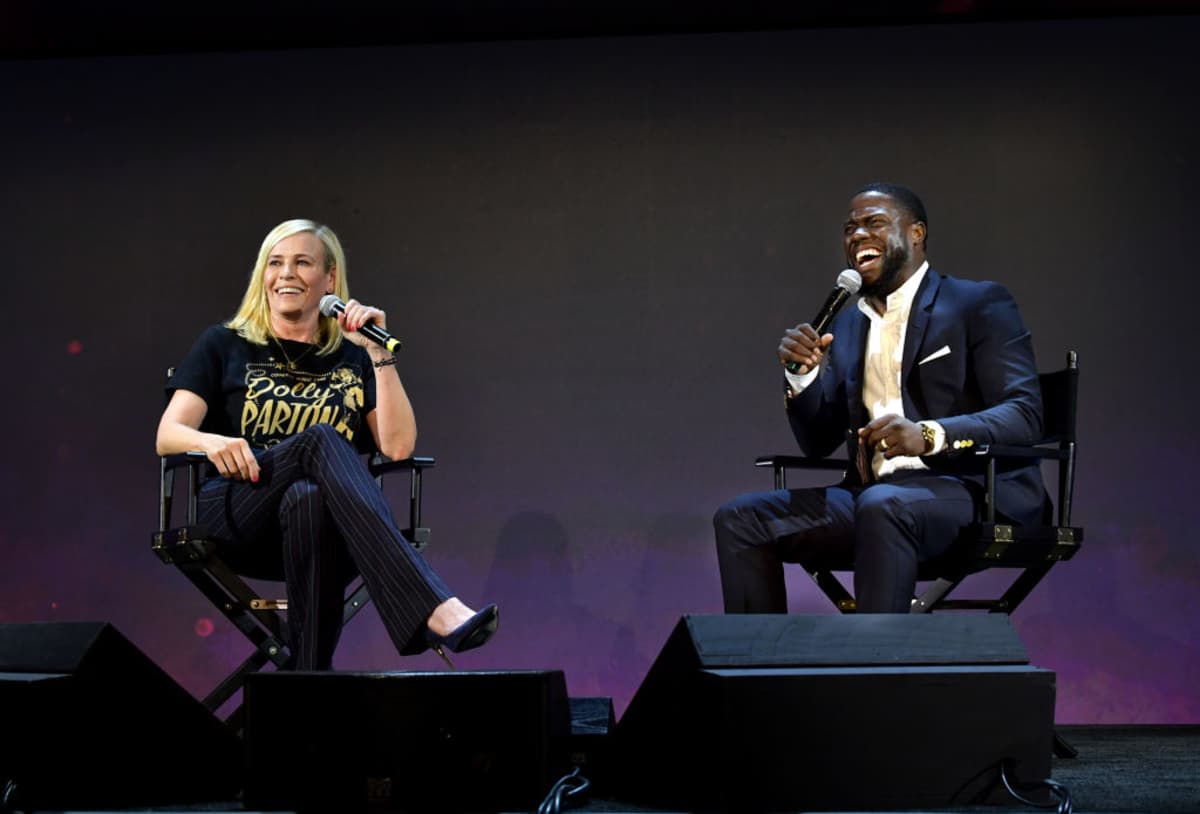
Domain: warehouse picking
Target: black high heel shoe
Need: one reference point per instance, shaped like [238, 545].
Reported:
[472, 633]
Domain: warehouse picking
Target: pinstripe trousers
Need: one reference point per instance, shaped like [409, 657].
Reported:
[317, 507]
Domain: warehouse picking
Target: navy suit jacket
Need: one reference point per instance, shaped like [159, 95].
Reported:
[968, 364]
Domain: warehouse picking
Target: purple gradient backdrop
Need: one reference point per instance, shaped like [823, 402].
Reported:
[590, 249]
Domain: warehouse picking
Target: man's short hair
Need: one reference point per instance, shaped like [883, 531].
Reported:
[902, 195]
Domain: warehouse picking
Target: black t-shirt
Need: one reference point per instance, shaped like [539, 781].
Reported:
[265, 394]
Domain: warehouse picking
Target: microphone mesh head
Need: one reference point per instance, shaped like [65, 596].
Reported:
[330, 302]
[849, 279]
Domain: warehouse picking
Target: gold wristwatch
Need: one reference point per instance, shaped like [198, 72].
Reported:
[928, 435]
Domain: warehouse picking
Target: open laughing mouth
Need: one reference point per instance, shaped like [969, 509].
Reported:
[867, 258]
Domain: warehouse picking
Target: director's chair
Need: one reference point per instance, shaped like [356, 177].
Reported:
[992, 543]
[222, 580]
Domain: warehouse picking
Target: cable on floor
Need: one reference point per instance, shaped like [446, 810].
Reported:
[1063, 805]
[569, 790]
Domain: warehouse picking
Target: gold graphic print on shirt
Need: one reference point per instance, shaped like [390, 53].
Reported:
[280, 402]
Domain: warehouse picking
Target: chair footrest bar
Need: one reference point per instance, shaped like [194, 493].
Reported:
[995, 605]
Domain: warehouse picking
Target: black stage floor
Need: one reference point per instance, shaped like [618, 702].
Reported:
[1125, 769]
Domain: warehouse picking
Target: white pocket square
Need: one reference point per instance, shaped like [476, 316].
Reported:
[944, 350]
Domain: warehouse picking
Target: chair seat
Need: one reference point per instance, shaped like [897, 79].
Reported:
[1004, 545]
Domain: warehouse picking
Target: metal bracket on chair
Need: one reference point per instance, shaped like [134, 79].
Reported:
[274, 650]
[419, 537]
[1002, 537]
[1066, 545]
[184, 546]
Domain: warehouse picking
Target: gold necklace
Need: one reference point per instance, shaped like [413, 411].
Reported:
[291, 363]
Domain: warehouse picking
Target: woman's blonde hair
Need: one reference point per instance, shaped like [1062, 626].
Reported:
[253, 318]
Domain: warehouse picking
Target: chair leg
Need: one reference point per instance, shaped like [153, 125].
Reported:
[237, 720]
[832, 588]
[1062, 748]
[933, 594]
[1022, 586]
[355, 602]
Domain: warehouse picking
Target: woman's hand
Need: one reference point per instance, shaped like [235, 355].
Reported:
[232, 457]
[357, 315]
[179, 431]
[391, 422]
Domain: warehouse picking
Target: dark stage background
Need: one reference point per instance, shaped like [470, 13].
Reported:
[590, 248]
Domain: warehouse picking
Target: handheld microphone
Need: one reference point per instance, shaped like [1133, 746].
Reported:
[332, 304]
[848, 283]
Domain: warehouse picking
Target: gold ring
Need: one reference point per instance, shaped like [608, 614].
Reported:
[883, 444]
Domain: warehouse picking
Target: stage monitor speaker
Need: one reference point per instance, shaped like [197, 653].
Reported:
[345, 742]
[592, 725]
[90, 721]
[829, 712]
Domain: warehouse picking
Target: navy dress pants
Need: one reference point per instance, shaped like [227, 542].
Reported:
[885, 529]
[317, 507]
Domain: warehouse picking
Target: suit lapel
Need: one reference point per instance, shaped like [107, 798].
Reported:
[854, 376]
[914, 339]
[918, 321]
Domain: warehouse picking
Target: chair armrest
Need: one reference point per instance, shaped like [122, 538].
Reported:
[1022, 453]
[194, 456]
[380, 464]
[801, 462]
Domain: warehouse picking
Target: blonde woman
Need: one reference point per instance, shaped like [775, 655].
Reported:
[283, 401]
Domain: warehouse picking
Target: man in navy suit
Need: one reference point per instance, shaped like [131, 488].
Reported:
[924, 370]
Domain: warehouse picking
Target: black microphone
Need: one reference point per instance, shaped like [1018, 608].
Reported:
[332, 304]
[848, 283]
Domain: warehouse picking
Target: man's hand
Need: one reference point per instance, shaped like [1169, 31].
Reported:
[802, 346]
[894, 435]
